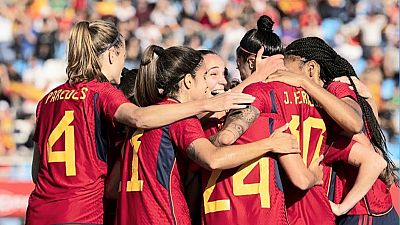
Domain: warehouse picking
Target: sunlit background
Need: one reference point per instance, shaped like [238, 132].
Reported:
[34, 35]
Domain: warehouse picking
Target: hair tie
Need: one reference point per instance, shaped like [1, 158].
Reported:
[251, 53]
[112, 44]
[159, 50]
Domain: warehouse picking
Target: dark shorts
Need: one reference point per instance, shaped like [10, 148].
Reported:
[391, 218]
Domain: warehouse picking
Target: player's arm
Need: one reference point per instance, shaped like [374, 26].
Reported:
[35, 163]
[370, 164]
[160, 115]
[346, 112]
[112, 182]
[363, 91]
[207, 155]
[301, 176]
[237, 122]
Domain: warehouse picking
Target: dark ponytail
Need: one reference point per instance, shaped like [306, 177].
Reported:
[263, 36]
[146, 91]
[161, 70]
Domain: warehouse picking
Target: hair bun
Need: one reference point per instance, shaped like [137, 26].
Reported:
[265, 23]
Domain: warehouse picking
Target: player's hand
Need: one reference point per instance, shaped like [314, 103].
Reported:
[227, 101]
[361, 88]
[335, 208]
[283, 143]
[266, 66]
[287, 77]
[338, 209]
[316, 169]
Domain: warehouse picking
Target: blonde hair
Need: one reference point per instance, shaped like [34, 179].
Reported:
[87, 41]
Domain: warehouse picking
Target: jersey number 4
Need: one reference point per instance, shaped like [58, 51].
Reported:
[239, 187]
[67, 154]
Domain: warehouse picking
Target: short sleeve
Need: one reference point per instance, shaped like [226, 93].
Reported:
[341, 90]
[110, 99]
[184, 132]
[339, 150]
[259, 92]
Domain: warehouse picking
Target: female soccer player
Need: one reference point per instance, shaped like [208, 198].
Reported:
[73, 121]
[320, 65]
[226, 195]
[156, 160]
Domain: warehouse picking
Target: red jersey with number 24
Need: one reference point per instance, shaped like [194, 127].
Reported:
[249, 193]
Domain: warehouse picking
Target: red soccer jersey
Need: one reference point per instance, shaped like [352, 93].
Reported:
[339, 182]
[151, 176]
[305, 122]
[72, 144]
[249, 193]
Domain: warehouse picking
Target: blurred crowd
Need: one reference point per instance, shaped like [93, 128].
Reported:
[34, 35]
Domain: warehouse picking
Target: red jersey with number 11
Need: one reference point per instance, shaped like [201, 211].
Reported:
[153, 165]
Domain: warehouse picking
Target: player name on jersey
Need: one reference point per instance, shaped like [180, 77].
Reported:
[65, 94]
[298, 97]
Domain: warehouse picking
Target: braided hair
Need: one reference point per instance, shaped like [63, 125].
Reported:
[332, 66]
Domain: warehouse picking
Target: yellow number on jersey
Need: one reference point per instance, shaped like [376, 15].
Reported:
[262, 188]
[218, 205]
[239, 187]
[68, 155]
[309, 123]
[135, 184]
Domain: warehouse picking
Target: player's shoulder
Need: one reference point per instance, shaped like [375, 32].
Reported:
[96, 86]
[267, 86]
[341, 90]
[336, 84]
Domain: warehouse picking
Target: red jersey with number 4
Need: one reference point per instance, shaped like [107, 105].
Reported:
[72, 142]
[339, 182]
[249, 193]
[305, 122]
[151, 175]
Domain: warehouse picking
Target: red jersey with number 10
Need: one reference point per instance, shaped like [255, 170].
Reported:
[73, 140]
[305, 122]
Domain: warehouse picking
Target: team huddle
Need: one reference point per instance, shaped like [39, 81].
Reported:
[296, 142]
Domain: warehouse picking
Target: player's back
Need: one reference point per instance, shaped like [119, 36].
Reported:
[72, 143]
[306, 123]
[249, 193]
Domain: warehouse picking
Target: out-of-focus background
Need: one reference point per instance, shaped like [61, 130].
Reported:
[34, 35]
